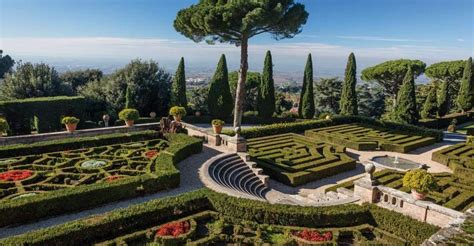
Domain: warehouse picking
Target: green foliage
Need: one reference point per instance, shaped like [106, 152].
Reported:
[33, 80]
[69, 120]
[283, 104]
[177, 111]
[444, 100]
[220, 100]
[371, 99]
[327, 96]
[178, 88]
[266, 92]
[465, 98]
[252, 85]
[449, 72]
[20, 113]
[217, 122]
[198, 99]
[430, 107]
[419, 180]
[3, 126]
[129, 114]
[390, 75]
[348, 103]
[128, 98]
[406, 111]
[6, 64]
[306, 107]
[80, 78]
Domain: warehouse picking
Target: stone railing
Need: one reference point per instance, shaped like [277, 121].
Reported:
[232, 144]
[25, 139]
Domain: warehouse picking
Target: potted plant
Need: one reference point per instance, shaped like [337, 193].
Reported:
[420, 182]
[129, 115]
[70, 122]
[177, 113]
[452, 126]
[217, 126]
[3, 126]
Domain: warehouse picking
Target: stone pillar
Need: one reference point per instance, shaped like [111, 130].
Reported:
[237, 143]
[365, 188]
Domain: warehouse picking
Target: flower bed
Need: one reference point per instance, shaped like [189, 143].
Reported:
[15, 175]
[174, 229]
[313, 236]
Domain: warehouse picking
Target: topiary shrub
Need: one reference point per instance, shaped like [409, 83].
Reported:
[3, 126]
[419, 180]
[178, 111]
[129, 114]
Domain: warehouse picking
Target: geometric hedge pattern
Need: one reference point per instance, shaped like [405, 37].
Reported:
[460, 158]
[295, 160]
[364, 137]
[30, 175]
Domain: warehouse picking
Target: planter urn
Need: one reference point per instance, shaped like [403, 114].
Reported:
[152, 115]
[71, 127]
[418, 195]
[129, 123]
[177, 118]
[217, 129]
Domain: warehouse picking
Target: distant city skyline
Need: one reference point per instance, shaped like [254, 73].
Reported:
[109, 33]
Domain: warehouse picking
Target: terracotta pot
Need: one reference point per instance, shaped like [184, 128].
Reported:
[217, 129]
[198, 114]
[177, 118]
[71, 127]
[417, 195]
[129, 123]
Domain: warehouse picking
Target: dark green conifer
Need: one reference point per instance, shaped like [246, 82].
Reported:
[306, 108]
[348, 103]
[406, 111]
[465, 98]
[430, 107]
[444, 99]
[178, 88]
[266, 91]
[220, 99]
[128, 97]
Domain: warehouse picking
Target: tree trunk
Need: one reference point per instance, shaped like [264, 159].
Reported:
[240, 93]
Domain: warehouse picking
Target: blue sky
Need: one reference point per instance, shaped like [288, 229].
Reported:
[376, 30]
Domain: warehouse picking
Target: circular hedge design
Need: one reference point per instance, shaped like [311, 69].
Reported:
[93, 164]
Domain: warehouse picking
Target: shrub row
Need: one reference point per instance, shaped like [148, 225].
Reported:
[46, 112]
[74, 143]
[442, 123]
[149, 214]
[82, 197]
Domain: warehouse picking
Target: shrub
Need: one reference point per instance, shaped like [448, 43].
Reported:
[129, 114]
[3, 126]
[419, 180]
[217, 122]
[69, 120]
[178, 111]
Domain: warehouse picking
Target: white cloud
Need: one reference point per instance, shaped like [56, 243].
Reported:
[385, 39]
[460, 40]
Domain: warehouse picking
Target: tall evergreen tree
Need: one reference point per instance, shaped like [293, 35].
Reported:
[348, 103]
[466, 92]
[266, 92]
[128, 97]
[220, 100]
[306, 108]
[405, 111]
[444, 99]
[430, 107]
[178, 88]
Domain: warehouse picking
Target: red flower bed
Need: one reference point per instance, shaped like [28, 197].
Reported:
[173, 229]
[314, 236]
[151, 153]
[113, 178]
[15, 175]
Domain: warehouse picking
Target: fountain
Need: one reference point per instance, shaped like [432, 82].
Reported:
[395, 162]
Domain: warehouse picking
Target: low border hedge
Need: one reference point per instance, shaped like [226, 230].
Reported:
[441, 123]
[82, 197]
[145, 215]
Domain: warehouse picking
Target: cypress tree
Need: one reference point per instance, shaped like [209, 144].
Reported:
[348, 103]
[266, 92]
[128, 97]
[443, 100]
[405, 111]
[465, 98]
[220, 100]
[178, 88]
[306, 107]
[430, 107]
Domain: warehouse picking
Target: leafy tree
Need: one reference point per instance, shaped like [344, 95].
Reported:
[430, 107]
[371, 99]
[128, 98]
[450, 72]
[390, 75]
[406, 110]
[306, 108]
[327, 94]
[96, 97]
[444, 99]
[220, 99]
[235, 22]
[283, 103]
[348, 102]
[81, 77]
[178, 88]
[198, 99]
[465, 98]
[266, 95]
[6, 64]
[251, 88]
[33, 80]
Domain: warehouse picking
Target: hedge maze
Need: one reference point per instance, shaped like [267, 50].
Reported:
[365, 137]
[295, 160]
[452, 192]
[67, 169]
[460, 158]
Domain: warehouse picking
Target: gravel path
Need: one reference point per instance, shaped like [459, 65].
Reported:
[189, 181]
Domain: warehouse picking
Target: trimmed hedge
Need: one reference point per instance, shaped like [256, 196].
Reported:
[57, 202]
[442, 123]
[74, 143]
[46, 112]
[142, 216]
